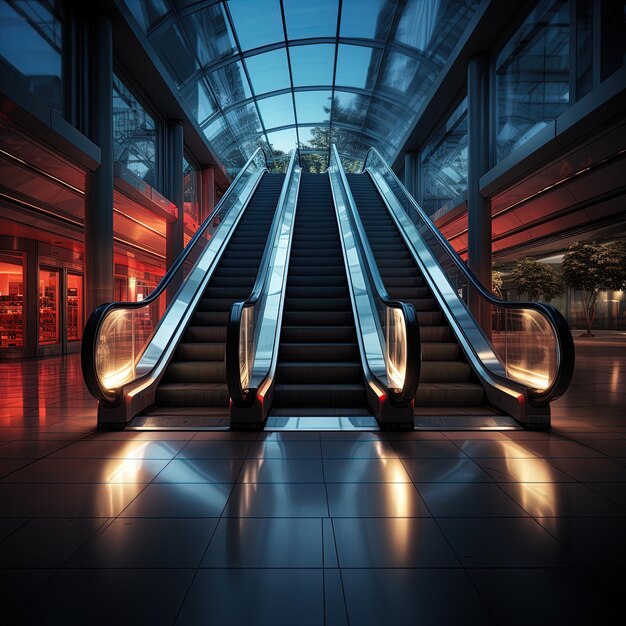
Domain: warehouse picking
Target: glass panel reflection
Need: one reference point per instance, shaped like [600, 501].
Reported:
[230, 84]
[199, 100]
[244, 121]
[175, 53]
[357, 66]
[310, 19]
[369, 19]
[281, 141]
[532, 76]
[258, 23]
[11, 299]
[147, 12]
[269, 71]
[312, 65]
[277, 111]
[48, 307]
[313, 106]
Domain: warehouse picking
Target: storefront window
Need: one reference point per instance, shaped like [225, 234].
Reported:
[444, 162]
[533, 76]
[48, 307]
[74, 307]
[11, 300]
[134, 134]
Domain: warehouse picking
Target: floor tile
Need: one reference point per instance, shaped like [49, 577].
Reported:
[273, 449]
[457, 470]
[615, 492]
[262, 543]
[110, 449]
[365, 471]
[180, 500]
[523, 471]
[358, 450]
[391, 542]
[200, 449]
[286, 470]
[9, 525]
[375, 500]
[109, 596]
[592, 470]
[108, 471]
[18, 587]
[477, 449]
[560, 500]
[560, 449]
[596, 541]
[334, 604]
[8, 466]
[468, 500]
[563, 596]
[277, 500]
[401, 597]
[504, 542]
[200, 471]
[427, 450]
[56, 500]
[32, 449]
[147, 543]
[273, 597]
[47, 542]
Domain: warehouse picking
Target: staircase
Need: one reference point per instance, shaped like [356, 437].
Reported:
[196, 375]
[446, 379]
[319, 370]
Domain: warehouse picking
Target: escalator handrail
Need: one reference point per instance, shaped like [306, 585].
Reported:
[92, 327]
[414, 351]
[245, 397]
[559, 325]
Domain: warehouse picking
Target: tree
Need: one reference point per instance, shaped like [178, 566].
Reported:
[536, 279]
[594, 267]
[496, 283]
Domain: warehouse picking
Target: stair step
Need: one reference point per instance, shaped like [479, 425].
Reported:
[308, 396]
[192, 394]
[200, 351]
[449, 395]
[445, 372]
[196, 372]
[319, 373]
[336, 351]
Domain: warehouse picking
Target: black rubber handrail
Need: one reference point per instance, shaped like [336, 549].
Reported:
[567, 354]
[92, 327]
[405, 396]
[245, 397]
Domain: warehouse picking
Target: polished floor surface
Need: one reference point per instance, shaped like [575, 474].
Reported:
[311, 528]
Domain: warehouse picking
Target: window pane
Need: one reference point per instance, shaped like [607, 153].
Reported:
[282, 140]
[219, 134]
[30, 47]
[370, 19]
[230, 84]
[257, 23]
[444, 162]
[311, 19]
[175, 53]
[277, 111]
[313, 106]
[74, 308]
[312, 65]
[209, 34]
[134, 134]
[357, 66]
[269, 71]
[199, 100]
[48, 307]
[147, 12]
[532, 76]
[11, 300]
[244, 121]
[349, 108]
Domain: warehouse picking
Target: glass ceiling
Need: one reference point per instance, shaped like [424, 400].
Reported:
[273, 73]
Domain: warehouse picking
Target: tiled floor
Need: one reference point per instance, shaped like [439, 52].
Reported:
[310, 528]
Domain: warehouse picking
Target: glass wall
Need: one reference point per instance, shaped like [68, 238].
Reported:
[30, 47]
[192, 216]
[49, 322]
[532, 76]
[74, 311]
[444, 162]
[134, 134]
[11, 300]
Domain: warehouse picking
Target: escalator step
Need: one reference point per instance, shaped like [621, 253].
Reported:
[309, 396]
[209, 334]
[445, 372]
[439, 350]
[319, 373]
[314, 334]
[449, 395]
[317, 318]
[317, 304]
[199, 351]
[196, 372]
[192, 394]
[319, 351]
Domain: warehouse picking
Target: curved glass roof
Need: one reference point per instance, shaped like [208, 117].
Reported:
[276, 73]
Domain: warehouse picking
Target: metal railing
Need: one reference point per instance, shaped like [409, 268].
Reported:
[123, 341]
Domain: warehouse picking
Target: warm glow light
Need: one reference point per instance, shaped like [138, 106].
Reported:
[534, 379]
[115, 379]
[395, 336]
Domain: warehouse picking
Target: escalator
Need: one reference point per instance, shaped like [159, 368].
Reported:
[446, 378]
[195, 379]
[319, 371]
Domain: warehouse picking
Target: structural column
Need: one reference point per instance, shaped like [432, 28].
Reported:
[173, 189]
[478, 162]
[99, 279]
[412, 173]
[207, 187]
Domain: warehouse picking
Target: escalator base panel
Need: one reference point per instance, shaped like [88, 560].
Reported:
[176, 421]
[465, 422]
[363, 422]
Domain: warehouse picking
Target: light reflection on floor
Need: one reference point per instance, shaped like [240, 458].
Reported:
[344, 526]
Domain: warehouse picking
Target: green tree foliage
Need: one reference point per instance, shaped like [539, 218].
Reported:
[592, 268]
[536, 279]
[496, 283]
